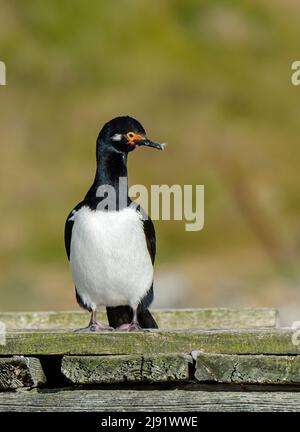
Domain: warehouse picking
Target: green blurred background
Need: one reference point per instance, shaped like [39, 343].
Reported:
[212, 78]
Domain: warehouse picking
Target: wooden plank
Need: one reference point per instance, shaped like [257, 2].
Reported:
[20, 372]
[64, 400]
[126, 368]
[166, 318]
[216, 318]
[247, 369]
[263, 341]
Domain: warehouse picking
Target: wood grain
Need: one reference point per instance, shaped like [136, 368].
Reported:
[223, 318]
[20, 372]
[60, 400]
[248, 369]
[126, 368]
[255, 341]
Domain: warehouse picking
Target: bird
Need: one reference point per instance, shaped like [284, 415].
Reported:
[111, 249]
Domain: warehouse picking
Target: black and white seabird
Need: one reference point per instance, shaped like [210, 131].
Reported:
[112, 251]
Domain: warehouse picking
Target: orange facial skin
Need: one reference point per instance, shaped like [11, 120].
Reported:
[133, 136]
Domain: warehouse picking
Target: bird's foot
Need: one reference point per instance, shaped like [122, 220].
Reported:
[133, 326]
[95, 327]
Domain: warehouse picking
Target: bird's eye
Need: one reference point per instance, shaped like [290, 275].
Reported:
[130, 135]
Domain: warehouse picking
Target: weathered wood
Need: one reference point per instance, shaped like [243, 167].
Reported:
[247, 369]
[166, 318]
[59, 400]
[20, 372]
[263, 341]
[126, 368]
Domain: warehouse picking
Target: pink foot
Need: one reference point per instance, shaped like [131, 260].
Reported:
[129, 327]
[95, 327]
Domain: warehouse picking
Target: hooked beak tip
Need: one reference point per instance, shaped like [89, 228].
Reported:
[149, 143]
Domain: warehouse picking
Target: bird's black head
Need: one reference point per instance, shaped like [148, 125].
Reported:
[124, 134]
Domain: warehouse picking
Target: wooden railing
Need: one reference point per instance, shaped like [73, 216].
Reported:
[199, 359]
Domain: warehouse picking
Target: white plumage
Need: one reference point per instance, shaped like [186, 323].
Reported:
[109, 259]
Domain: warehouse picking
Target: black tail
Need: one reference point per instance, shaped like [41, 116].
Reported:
[123, 314]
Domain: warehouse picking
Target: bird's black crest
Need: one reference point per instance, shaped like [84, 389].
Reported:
[120, 125]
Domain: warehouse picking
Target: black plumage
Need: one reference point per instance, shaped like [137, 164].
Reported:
[111, 165]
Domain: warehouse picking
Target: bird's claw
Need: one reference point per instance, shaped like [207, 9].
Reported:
[129, 327]
[95, 327]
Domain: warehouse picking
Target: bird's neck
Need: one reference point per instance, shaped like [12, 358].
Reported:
[111, 174]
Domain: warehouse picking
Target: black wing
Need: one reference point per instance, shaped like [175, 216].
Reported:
[69, 226]
[68, 235]
[150, 237]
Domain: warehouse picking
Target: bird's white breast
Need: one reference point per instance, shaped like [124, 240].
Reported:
[109, 259]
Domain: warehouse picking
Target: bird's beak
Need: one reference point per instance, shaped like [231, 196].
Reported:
[148, 143]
